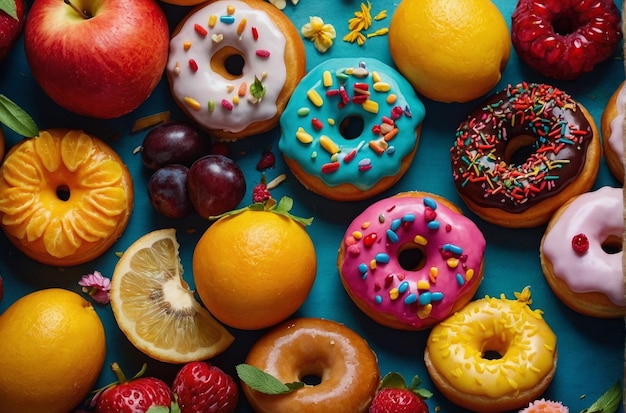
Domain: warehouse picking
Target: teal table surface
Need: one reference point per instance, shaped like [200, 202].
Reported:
[591, 350]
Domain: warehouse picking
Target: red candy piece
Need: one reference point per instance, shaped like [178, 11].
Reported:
[429, 214]
[580, 243]
[369, 239]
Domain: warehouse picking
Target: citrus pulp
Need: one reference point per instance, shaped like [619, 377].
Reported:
[154, 307]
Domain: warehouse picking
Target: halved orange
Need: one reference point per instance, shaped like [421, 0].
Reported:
[155, 308]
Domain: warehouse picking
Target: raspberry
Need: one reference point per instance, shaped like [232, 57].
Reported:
[564, 39]
[260, 193]
[580, 243]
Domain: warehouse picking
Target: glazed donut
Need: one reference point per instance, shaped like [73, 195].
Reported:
[494, 355]
[351, 128]
[575, 245]
[612, 126]
[343, 362]
[411, 260]
[227, 66]
[65, 197]
[564, 39]
[515, 191]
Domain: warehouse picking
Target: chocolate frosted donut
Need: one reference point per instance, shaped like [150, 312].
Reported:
[523, 153]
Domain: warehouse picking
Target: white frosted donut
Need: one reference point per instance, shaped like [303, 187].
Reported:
[227, 66]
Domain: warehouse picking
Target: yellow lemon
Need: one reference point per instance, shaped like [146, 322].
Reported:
[52, 350]
[450, 50]
[254, 269]
[154, 307]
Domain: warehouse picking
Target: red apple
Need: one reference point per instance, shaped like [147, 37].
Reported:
[11, 25]
[97, 58]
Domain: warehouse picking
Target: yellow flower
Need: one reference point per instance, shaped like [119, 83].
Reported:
[321, 34]
[524, 296]
[362, 20]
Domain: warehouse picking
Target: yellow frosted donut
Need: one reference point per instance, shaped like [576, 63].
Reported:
[494, 355]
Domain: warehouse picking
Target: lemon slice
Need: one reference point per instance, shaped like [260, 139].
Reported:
[154, 307]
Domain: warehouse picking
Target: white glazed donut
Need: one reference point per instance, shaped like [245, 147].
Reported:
[227, 66]
[579, 270]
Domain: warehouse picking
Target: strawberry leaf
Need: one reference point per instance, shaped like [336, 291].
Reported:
[16, 118]
[393, 380]
[281, 208]
[263, 382]
[9, 7]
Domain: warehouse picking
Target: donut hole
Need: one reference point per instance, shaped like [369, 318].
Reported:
[63, 192]
[351, 127]
[311, 373]
[411, 257]
[228, 62]
[311, 379]
[564, 24]
[519, 149]
[612, 245]
[494, 349]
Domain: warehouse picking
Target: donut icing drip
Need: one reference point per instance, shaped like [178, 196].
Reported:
[451, 248]
[35, 178]
[233, 103]
[616, 138]
[561, 135]
[596, 216]
[339, 90]
[526, 344]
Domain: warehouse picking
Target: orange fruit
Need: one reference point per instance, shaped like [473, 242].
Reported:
[154, 307]
[254, 269]
[52, 348]
[450, 50]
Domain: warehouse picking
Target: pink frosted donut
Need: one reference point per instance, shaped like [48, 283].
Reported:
[613, 131]
[581, 253]
[411, 260]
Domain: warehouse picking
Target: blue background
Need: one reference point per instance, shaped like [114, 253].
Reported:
[591, 350]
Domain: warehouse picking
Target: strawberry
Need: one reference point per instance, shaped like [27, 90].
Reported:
[204, 388]
[393, 396]
[136, 395]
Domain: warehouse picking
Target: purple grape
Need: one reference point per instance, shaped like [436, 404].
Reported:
[173, 143]
[167, 190]
[216, 185]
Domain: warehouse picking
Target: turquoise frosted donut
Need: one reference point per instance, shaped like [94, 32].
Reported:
[351, 128]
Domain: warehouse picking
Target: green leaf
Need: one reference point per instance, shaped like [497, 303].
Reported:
[393, 380]
[16, 118]
[281, 208]
[609, 402]
[257, 89]
[158, 409]
[9, 7]
[263, 382]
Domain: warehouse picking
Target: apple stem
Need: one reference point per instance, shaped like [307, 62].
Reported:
[80, 12]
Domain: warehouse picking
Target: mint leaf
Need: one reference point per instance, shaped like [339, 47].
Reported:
[16, 118]
[9, 7]
[609, 402]
[257, 89]
[263, 382]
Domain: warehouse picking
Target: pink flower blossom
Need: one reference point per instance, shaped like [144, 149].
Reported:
[545, 406]
[97, 286]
